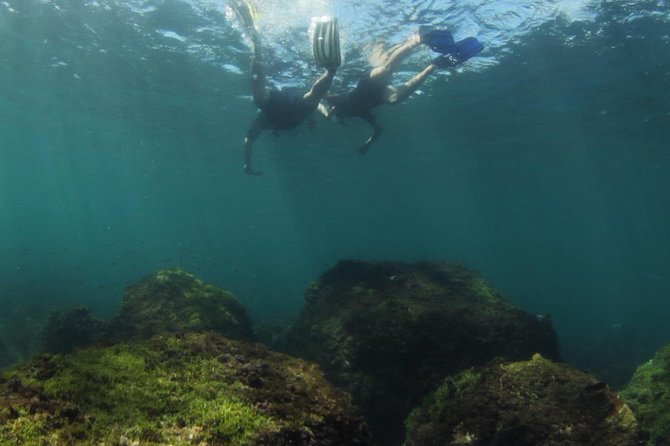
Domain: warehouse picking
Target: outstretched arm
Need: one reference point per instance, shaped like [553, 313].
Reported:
[377, 130]
[253, 132]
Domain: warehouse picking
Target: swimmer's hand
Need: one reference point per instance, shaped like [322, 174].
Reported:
[325, 110]
[249, 171]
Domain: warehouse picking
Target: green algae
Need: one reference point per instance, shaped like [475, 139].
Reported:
[178, 390]
[390, 332]
[527, 403]
[648, 394]
[174, 300]
[433, 405]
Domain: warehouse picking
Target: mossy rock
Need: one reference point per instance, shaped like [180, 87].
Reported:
[70, 329]
[389, 333]
[192, 389]
[648, 394]
[175, 300]
[530, 403]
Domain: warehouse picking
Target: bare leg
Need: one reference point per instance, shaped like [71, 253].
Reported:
[402, 92]
[259, 87]
[258, 84]
[320, 87]
[395, 56]
[261, 95]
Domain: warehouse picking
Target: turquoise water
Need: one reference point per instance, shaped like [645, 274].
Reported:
[543, 164]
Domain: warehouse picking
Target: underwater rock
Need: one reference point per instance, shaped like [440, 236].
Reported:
[648, 394]
[272, 333]
[190, 389]
[531, 403]
[389, 333]
[71, 329]
[175, 300]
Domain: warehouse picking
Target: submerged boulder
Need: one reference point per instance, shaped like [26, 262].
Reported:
[648, 394]
[70, 329]
[531, 403]
[175, 300]
[192, 389]
[389, 333]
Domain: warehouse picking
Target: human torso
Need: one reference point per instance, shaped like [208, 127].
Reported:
[285, 109]
[368, 93]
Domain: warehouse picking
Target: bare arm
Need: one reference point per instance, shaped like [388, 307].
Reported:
[377, 130]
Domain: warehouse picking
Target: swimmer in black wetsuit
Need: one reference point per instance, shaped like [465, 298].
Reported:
[279, 109]
[376, 89]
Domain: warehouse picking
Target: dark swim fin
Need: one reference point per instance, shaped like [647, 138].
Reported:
[439, 40]
[462, 51]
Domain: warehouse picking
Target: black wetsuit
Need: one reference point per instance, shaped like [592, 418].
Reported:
[369, 93]
[285, 109]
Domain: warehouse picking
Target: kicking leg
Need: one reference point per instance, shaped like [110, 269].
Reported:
[258, 83]
[402, 92]
[259, 87]
[261, 95]
[320, 88]
[394, 56]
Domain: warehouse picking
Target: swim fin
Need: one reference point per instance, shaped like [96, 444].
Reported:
[326, 42]
[462, 51]
[439, 40]
[245, 11]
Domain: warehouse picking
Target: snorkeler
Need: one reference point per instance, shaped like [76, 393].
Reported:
[285, 109]
[376, 89]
